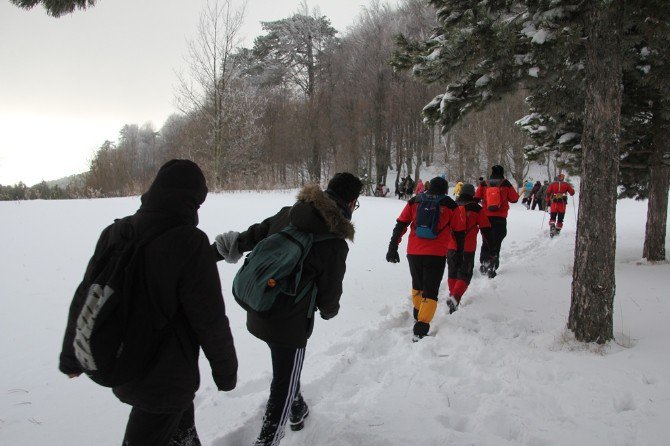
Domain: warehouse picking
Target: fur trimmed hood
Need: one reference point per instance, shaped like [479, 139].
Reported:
[316, 212]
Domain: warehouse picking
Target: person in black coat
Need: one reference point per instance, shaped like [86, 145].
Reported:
[182, 278]
[286, 332]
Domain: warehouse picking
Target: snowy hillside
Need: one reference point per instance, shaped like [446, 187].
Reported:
[500, 371]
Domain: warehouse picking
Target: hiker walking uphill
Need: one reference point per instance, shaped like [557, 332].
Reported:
[536, 194]
[318, 224]
[495, 196]
[428, 216]
[557, 196]
[527, 193]
[468, 218]
[170, 306]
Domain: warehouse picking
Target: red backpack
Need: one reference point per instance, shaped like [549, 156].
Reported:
[493, 198]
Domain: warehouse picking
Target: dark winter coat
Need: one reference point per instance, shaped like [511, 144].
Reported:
[535, 191]
[318, 213]
[181, 276]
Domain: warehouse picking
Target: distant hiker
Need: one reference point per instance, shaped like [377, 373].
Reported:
[325, 216]
[495, 195]
[544, 204]
[381, 190]
[557, 196]
[175, 291]
[428, 216]
[468, 219]
[527, 193]
[457, 189]
[481, 182]
[536, 195]
[419, 187]
[400, 189]
[409, 187]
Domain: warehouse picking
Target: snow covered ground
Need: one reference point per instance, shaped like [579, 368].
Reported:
[500, 371]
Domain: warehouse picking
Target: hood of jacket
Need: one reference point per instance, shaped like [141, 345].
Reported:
[175, 194]
[318, 213]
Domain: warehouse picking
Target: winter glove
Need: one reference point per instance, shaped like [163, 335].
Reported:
[226, 245]
[326, 316]
[225, 383]
[392, 254]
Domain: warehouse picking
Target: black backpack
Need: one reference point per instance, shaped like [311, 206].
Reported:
[119, 328]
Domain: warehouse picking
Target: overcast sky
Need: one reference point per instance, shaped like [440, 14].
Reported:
[68, 84]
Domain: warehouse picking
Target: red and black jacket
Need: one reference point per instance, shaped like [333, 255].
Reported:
[421, 246]
[558, 191]
[468, 218]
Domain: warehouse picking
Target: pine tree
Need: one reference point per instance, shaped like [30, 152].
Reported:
[56, 8]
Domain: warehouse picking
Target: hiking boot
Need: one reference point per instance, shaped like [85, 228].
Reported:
[491, 273]
[267, 435]
[299, 411]
[484, 267]
[452, 304]
[421, 329]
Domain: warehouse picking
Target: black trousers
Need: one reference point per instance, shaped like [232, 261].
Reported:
[427, 273]
[161, 429]
[560, 215]
[491, 247]
[460, 265]
[286, 368]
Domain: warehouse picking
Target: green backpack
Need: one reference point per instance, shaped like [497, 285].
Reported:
[273, 269]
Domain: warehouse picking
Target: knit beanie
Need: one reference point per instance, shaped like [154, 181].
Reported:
[438, 186]
[467, 190]
[497, 171]
[345, 186]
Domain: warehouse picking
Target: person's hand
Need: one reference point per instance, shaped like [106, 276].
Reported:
[226, 245]
[225, 383]
[392, 255]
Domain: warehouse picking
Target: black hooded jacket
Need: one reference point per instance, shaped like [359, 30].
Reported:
[319, 213]
[182, 278]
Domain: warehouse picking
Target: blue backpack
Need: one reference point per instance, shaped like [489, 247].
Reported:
[428, 216]
[273, 270]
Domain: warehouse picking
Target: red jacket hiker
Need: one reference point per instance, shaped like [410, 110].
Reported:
[468, 219]
[426, 252]
[501, 190]
[475, 219]
[557, 196]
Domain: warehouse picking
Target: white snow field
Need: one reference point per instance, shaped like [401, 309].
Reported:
[500, 371]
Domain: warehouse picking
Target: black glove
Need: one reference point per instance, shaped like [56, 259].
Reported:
[392, 254]
[225, 383]
[326, 316]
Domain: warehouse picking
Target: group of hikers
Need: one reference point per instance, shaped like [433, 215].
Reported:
[151, 294]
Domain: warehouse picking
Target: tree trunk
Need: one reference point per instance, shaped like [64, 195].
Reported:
[657, 208]
[593, 278]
